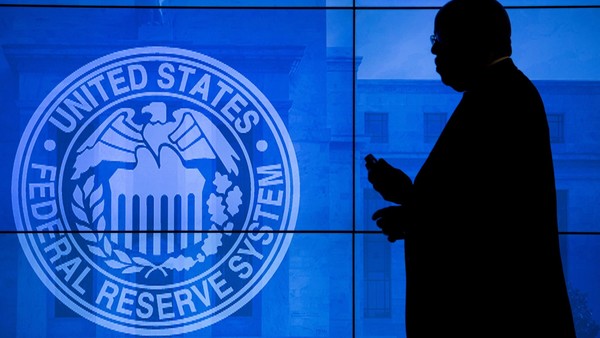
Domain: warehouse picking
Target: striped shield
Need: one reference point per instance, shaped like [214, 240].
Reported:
[155, 209]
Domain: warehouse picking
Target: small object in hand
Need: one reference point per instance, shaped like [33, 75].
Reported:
[370, 161]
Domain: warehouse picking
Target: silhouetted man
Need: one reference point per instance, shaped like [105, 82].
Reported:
[479, 221]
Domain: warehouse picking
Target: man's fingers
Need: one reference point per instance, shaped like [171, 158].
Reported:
[394, 233]
[378, 171]
[391, 220]
[379, 213]
[383, 212]
[383, 163]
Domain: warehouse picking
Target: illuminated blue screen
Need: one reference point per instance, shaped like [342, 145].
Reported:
[195, 170]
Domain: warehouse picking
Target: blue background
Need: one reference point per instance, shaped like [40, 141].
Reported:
[346, 81]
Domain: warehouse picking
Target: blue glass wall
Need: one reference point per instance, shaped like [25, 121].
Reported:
[292, 252]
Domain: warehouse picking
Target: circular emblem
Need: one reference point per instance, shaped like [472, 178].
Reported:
[155, 189]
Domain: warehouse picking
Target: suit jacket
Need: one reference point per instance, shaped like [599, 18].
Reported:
[483, 258]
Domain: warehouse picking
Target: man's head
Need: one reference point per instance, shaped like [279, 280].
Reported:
[469, 35]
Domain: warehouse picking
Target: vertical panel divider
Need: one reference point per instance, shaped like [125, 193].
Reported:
[353, 168]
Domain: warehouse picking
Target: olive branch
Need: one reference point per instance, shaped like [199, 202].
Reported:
[220, 213]
[88, 208]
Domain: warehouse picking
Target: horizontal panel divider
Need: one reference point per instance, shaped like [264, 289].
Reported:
[188, 7]
[358, 232]
[4, 232]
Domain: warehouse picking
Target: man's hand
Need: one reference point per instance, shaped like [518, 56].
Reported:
[392, 183]
[394, 221]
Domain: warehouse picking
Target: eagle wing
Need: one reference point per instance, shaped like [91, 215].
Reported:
[197, 137]
[116, 140]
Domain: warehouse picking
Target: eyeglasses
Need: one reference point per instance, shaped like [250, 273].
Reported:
[434, 38]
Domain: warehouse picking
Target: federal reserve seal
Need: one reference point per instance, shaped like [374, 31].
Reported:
[155, 189]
